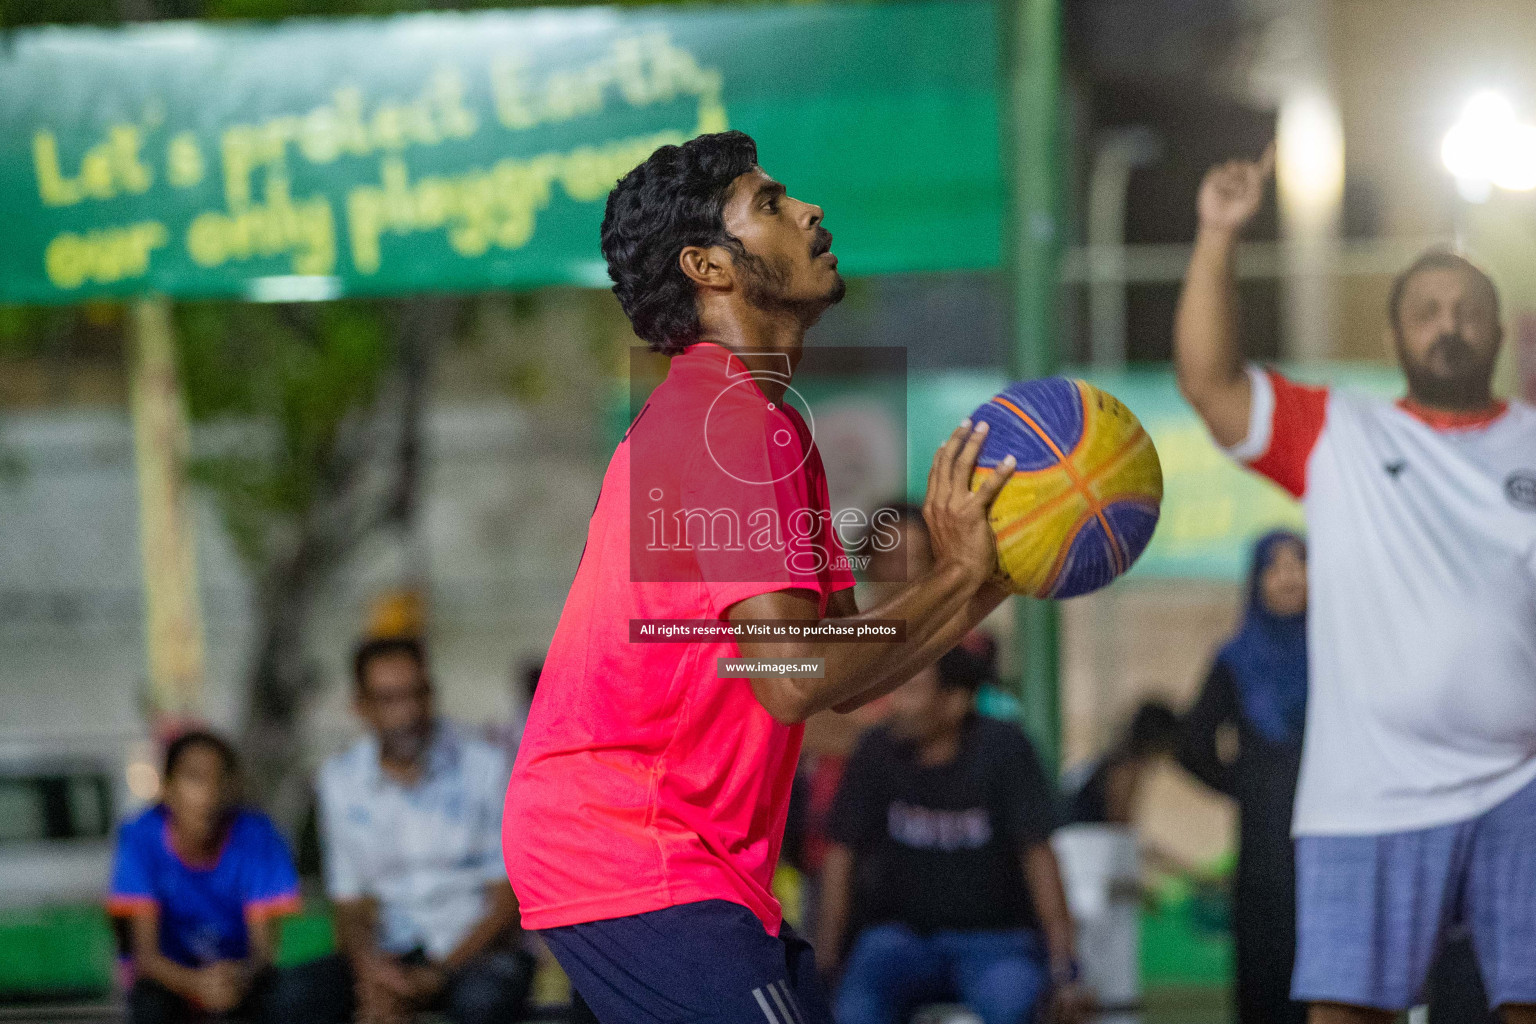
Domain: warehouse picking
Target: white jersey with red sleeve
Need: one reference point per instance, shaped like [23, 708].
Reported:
[1422, 621]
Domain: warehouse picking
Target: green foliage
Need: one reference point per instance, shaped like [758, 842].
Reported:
[298, 373]
[57, 12]
[24, 329]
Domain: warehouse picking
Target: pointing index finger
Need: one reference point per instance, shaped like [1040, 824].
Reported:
[1266, 163]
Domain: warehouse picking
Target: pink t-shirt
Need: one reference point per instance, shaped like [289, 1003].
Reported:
[643, 780]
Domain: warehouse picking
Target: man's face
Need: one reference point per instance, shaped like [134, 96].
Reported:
[396, 702]
[788, 264]
[1447, 335]
[922, 711]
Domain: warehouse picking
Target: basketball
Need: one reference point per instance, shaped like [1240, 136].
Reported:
[1085, 498]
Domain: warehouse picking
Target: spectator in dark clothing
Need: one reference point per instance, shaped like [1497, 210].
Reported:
[940, 867]
[199, 883]
[1243, 738]
[899, 549]
[1105, 790]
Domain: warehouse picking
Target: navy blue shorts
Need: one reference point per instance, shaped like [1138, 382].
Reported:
[1373, 911]
[698, 963]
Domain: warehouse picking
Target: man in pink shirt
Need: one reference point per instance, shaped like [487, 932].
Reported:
[647, 806]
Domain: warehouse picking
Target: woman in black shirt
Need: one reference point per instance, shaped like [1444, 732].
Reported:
[1243, 738]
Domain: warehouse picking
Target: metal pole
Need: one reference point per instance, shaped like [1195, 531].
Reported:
[1119, 153]
[173, 621]
[1032, 244]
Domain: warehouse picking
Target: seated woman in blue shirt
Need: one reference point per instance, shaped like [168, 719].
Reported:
[200, 882]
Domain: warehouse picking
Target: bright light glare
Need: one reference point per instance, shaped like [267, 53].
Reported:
[1474, 190]
[1489, 144]
[1488, 108]
[1516, 170]
[1311, 154]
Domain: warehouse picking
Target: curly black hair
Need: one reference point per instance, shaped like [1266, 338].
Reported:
[969, 665]
[673, 200]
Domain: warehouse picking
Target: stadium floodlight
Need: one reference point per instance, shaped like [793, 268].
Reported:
[1516, 170]
[1490, 146]
[1310, 164]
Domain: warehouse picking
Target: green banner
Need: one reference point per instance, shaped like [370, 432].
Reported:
[464, 151]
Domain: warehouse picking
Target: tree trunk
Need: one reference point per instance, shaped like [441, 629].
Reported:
[371, 482]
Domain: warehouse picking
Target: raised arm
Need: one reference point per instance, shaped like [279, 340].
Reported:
[938, 608]
[1206, 354]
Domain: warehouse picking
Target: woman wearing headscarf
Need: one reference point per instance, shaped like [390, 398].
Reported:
[1243, 738]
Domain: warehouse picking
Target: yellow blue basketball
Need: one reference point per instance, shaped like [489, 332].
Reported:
[1085, 498]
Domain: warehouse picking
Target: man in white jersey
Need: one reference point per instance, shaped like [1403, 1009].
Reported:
[1416, 809]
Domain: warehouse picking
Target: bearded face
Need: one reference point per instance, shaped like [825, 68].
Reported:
[1447, 334]
[783, 257]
